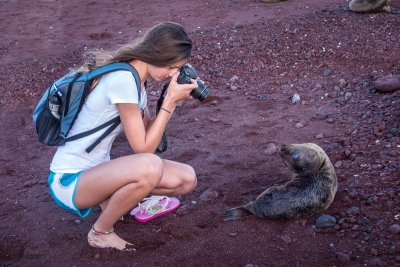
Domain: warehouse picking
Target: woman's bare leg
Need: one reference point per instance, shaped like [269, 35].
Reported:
[122, 183]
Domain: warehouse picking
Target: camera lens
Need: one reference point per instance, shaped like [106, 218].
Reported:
[200, 92]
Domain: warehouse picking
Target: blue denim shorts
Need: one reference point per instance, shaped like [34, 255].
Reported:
[62, 188]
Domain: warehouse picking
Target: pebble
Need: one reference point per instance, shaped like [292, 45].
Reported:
[271, 149]
[209, 194]
[338, 164]
[342, 83]
[286, 238]
[318, 86]
[326, 72]
[348, 95]
[232, 234]
[394, 229]
[387, 84]
[199, 135]
[320, 136]
[343, 256]
[97, 256]
[325, 221]
[318, 116]
[77, 221]
[234, 78]
[183, 210]
[233, 88]
[353, 211]
[299, 125]
[295, 98]
[332, 249]
[363, 221]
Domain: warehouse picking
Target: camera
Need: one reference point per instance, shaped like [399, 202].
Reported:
[187, 72]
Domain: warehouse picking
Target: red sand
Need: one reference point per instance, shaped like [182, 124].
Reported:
[253, 57]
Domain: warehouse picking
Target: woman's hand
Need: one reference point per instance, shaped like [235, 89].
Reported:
[176, 93]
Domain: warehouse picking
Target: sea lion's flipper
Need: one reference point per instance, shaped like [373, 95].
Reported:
[236, 213]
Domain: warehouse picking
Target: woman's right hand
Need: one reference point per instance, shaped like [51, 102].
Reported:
[176, 93]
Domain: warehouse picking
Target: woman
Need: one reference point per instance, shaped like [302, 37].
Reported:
[80, 180]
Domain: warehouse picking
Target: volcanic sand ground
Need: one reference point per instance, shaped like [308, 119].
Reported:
[253, 57]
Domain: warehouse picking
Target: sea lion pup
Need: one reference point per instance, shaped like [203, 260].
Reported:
[365, 6]
[310, 191]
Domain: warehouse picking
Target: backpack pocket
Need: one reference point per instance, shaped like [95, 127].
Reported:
[48, 127]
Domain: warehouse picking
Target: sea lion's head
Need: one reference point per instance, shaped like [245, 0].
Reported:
[302, 159]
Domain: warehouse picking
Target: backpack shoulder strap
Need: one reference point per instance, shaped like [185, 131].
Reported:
[113, 67]
[113, 123]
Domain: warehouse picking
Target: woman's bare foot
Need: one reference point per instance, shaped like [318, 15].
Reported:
[108, 240]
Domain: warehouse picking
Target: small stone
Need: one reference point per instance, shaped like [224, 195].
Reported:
[319, 136]
[326, 72]
[325, 221]
[77, 221]
[271, 149]
[387, 84]
[318, 116]
[299, 125]
[199, 135]
[234, 78]
[97, 256]
[183, 210]
[233, 88]
[232, 234]
[295, 98]
[353, 210]
[348, 95]
[286, 238]
[394, 229]
[342, 83]
[209, 195]
[343, 256]
[332, 249]
[338, 164]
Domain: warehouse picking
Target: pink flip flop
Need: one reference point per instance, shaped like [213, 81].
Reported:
[153, 207]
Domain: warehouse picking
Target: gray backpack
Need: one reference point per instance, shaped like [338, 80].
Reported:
[60, 105]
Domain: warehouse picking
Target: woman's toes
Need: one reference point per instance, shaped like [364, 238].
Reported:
[111, 240]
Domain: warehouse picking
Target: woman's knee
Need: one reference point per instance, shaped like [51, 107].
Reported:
[189, 179]
[153, 170]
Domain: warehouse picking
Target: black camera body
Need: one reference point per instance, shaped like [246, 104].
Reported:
[187, 72]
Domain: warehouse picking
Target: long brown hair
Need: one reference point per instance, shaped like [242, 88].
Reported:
[162, 45]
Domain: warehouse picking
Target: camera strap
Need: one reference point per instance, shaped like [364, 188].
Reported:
[163, 142]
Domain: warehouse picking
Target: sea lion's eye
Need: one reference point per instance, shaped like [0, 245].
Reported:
[295, 155]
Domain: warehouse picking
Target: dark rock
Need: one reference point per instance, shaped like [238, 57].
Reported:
[325, 221]
[387, 84]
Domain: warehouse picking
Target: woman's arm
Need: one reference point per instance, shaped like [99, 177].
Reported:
[144, 136]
